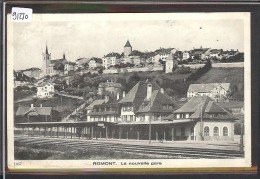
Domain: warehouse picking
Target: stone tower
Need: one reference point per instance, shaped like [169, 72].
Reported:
[46, 61]
[127, 49]
[170, 62]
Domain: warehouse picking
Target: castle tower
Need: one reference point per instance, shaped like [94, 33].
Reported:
[127, 49]
[46, 61]
[170, 63]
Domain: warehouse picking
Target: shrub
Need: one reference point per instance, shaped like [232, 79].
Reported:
[201, 71]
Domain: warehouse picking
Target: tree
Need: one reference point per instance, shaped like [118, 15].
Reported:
[86, 66]
[117, 66]
[100, 70]
[128, 64]
[131, 65]
[135, 78]
[34, 89]
[58, 66]
[174, 68]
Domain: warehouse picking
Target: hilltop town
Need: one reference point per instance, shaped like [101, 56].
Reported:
[120, 95]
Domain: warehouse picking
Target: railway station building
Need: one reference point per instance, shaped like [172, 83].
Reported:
[144, 113]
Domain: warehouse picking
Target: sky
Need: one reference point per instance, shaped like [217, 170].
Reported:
[88, 37]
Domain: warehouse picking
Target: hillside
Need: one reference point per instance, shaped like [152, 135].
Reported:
[218, 75]
[234, 76]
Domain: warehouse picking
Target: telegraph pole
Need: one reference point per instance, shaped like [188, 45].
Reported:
[150, 123]
[201, 123]
[242, 137]
[61, 106]
[150, 129]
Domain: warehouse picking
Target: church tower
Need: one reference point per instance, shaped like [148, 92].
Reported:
[46, 61]
[127, 49]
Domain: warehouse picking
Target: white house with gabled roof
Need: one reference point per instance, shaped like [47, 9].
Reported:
[217, 91]
[45, 90]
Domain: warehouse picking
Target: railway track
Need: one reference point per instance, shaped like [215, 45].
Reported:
[140, 149]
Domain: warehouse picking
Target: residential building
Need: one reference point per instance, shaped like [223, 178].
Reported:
[200, 54]
[79, 64]
[110, 87]
[206, 54]
[217, 91]
[156, 59]
[126, 60]
[205, 120]
[185, 55]
[90, 107]
[111, 59]
[68, 66]
[214, 53]
[164, 53]
[107, 110]
[45, 90]
[94, 63]
[149, 57]
[20, 79]
[135, 58]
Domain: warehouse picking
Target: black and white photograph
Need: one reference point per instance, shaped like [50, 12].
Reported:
[136, 90]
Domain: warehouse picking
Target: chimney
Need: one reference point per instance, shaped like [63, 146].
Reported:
[31, 105]
[149, 91]
[106, 98]
[117, 96]
[123, 94]
[162, 90]
[41, 105]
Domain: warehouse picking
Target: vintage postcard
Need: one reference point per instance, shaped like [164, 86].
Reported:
[103, 91]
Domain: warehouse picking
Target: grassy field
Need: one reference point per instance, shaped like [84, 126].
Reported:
[218, 75]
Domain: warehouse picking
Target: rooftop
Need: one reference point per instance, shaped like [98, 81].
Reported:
[157, 103]
[58, 61]
[137, 94]
[96, 102]
[98, 60]
[113, 54]
[127, 44]
[34, 111]
[204, 106]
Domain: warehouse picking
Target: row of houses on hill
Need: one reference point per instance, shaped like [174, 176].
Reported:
[133, 58]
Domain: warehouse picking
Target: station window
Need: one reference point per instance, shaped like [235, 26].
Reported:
[215, 131]
[206, 131]
[225, 131]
